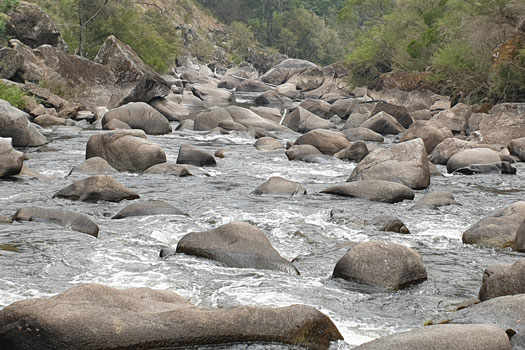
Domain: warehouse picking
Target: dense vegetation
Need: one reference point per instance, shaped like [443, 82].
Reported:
[13, 95]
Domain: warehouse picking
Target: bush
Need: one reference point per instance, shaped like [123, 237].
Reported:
[13, 95]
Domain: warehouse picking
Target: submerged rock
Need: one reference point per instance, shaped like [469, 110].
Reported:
[97, 188]
[75, 221]
[105, 318]
[267, 144]
[434, 200]
[191, 155]
[237, 244]
[151, 207]
[94, 166]
[374, 190]
[382, 264]
[276, 185]
[169, 169]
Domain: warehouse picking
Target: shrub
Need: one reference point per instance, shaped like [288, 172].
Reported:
[13, 95]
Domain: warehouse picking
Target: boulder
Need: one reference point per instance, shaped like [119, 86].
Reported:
[187, 124]
[170, 110]
[212, 118]
[303, 121]
[374, 190]
[146, 208]
[251, 85]
[388, 265]
[444, 337]
[400, 113]
[355, 120]
[10, 62]
[354, 153]
[318, 107]
[94, 166]
[502, 128]
[517, 148]
[139, 115]
[301, 152]
[125, 150]
[268, 113]
[327, 141]
[272, 98]
[343, 107]
[450, 146]
[47, 120]
[434, 200]
[504, 279]
[279, 185]
[32, 26]
[15, 124]
[191, 155]
[267, 144]
[289, 90]
[422, 114]
[471, 157]
[390, 224]
[519, 244]
[237, 244]
[116, 124]
[104, 318]
[280, 73]
[11, 160]
[362, 134]
[405, 163]
[309, 79]
[497, 230]
[383, 124]
[139, 82]
[429, 132]
[97, 188]
[455, 119]
[169, 169]
[250, 119]
[69, 219]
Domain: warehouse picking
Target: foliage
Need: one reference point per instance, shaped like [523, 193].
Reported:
[242, 39]
[13, 95]
[5, 6]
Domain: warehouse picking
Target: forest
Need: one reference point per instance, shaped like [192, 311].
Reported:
[471, 48]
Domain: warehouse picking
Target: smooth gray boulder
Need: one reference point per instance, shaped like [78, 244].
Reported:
[355, 153]
[97, 188]
[92, 316]
[388, 265]
[450, 146]
[503, 279]
[434, 200]
[279, 185]
[116, 124]
[212, 118]
[15, 124]
[170, 110]
[302, 121]
[139, 115]
[383, 124]
[374, 190]
[145, 208]
[69, 219]
[444, 337]
[477, 160]
[94, 166]
[193, 156]
[431, 134]
[405, 163]
[362, 134]
[517, 148]
[502, 127]
[169, 169]
[318, 107]
[267, 144]
[400, 113]
[237, 244]
[497, 230]
[125, 150]
[11, 160]
[455, 119]
[327, 141]
[301, 152]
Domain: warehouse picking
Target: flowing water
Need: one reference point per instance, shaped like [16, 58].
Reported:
[40, 259]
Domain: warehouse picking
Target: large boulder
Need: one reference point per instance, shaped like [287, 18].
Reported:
[362, 134]
[303, 121]
[354, 153]
[326, 141]
[32, 26]
[15, 124]
[97, 188]
[193, 156]
[10, 62]
[11, 160]
[171, 110]
[497, 230]
[302, 152]
[169, 169]
[374, 190]
[237, 244]
[517, 148]
[452, 145]
[69, 219]
[267, 144]
[455, 119]
[285, 70]
[383, 124]
[125, 150]
[251, 85]
[434, 200]
[93, 316]
[444, 337]
[318, 107]
[309, 79]
[505, 279]
[251, 119]
[382, 264]
[502, 128]
[139, 115]
[212, 118]
[400, 113]
[139, 82]
[145, 208]
[94, 166]
[429, 132]
[473, 159]
[279, 185]
[405, 162]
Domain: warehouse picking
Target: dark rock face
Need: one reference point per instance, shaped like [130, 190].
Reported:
[139, 115]
[94, 166]
[15, 124]
[444, 337]
[400, 113]
[97, 188]
[152, 207]
[153, 319]
[75, 221]
[29, 24]
[498, 230]
[237, 244]
[326, 141]
[125, 150]
[11, 160]
[382, 264]
[276, 185]
[193, 156]
[374, 190]
[500, 280]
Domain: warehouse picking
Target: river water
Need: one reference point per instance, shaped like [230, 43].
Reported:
[41, 259]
